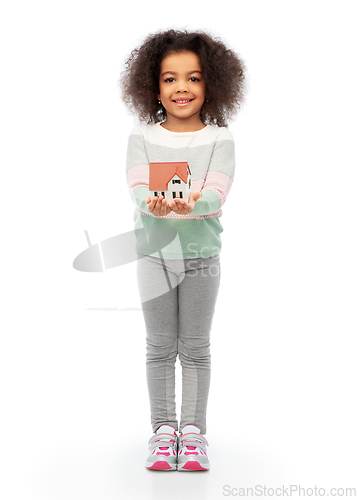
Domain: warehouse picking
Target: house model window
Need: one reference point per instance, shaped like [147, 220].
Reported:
[170, 179]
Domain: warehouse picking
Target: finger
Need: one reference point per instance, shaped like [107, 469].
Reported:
[173, 206]
[152, 204]
[158, 206]
[179, 207]
[163, 207]
[174, 209]
[184, 205]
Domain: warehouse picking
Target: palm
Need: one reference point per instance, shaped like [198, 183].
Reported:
[185, 207]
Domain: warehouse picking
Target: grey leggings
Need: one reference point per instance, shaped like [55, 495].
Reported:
[178, 299]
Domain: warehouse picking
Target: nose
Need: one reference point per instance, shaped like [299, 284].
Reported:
[181, 87]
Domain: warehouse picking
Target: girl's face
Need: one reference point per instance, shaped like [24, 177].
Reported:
[182, 90]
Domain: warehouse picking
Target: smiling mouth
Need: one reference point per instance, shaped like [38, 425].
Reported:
[182, 102]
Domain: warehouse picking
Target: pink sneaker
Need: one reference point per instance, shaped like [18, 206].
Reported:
[163, 448]
[192, 454]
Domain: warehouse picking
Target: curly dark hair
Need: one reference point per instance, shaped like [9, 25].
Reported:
[223, 74]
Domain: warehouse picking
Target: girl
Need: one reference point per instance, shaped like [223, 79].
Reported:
[184, 86]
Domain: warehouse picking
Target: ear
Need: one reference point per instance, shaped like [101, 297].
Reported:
[158, 97]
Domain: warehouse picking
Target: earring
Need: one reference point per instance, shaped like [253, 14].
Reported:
[159, 101]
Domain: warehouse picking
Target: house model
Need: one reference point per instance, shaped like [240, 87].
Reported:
[170, 179]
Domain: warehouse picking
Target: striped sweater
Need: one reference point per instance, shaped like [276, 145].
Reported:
[210, 155]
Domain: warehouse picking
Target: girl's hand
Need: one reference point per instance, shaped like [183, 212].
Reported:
[185, 207]
[158, 206]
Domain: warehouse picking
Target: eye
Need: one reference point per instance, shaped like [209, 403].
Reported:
[169, 80]
[194, 79]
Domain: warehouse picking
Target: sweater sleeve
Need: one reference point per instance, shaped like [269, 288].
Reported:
[219, 176]
[137, 170]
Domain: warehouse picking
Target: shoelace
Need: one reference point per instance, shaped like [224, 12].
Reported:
[193, 439]
[157, 440]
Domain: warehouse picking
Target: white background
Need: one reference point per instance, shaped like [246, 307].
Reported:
[282, 410]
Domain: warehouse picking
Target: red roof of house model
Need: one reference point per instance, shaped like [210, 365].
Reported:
[161, 173]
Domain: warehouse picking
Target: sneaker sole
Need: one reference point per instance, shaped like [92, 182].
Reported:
[193, 465]
[161, 465]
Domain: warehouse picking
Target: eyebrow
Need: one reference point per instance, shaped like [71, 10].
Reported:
[174, 72]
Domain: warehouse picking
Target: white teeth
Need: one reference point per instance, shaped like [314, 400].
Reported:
[181, 102]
